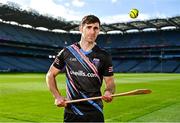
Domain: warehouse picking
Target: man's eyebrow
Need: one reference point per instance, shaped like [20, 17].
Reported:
[89, 26]
[96, 27]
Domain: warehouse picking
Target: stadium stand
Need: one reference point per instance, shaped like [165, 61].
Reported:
[32, 50]
[132, 52]
[154, 51]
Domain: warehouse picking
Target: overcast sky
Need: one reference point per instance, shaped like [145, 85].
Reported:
[109, 11]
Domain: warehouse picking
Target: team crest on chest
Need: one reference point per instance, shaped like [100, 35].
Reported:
[96, 62]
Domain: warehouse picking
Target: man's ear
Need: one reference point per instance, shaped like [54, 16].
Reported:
[80, 28]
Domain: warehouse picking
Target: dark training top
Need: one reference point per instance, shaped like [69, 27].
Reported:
[84, 76]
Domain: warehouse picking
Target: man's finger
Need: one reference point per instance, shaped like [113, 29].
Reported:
[60, 103]
[107, 98]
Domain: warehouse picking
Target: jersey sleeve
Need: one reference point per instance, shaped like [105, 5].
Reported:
[59, 60]
[108, 67]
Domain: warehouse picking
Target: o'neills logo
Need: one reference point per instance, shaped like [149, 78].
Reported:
[82, 73]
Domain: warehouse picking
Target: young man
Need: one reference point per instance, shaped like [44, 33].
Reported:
[86, 66]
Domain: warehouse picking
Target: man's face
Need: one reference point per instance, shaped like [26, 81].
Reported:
[90, 31]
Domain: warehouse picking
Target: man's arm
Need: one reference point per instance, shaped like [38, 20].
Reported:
[52, 85]
[109, 88]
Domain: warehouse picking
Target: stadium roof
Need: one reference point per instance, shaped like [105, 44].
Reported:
[13, 13]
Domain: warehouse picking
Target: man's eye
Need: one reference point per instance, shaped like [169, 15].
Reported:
[96, 28]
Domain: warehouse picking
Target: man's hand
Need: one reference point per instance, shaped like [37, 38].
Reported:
[60, 102]
[107, 96]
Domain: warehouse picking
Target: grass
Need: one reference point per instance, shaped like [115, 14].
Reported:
[25, 98]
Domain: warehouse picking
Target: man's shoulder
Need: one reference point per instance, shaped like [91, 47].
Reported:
[64, 50]
[69, 46]
[101, 51]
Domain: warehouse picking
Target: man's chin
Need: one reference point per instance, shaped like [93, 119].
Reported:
[91, 40]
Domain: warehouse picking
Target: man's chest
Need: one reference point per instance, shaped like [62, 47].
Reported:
[84, 61]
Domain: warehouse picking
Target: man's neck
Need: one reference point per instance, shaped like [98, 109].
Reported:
[86, 46]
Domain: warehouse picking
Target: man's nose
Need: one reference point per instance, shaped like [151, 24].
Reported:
[92, 31]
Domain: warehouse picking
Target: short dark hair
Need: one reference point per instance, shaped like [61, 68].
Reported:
[90, 19]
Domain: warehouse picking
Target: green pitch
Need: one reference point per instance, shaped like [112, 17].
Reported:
[25, 98]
